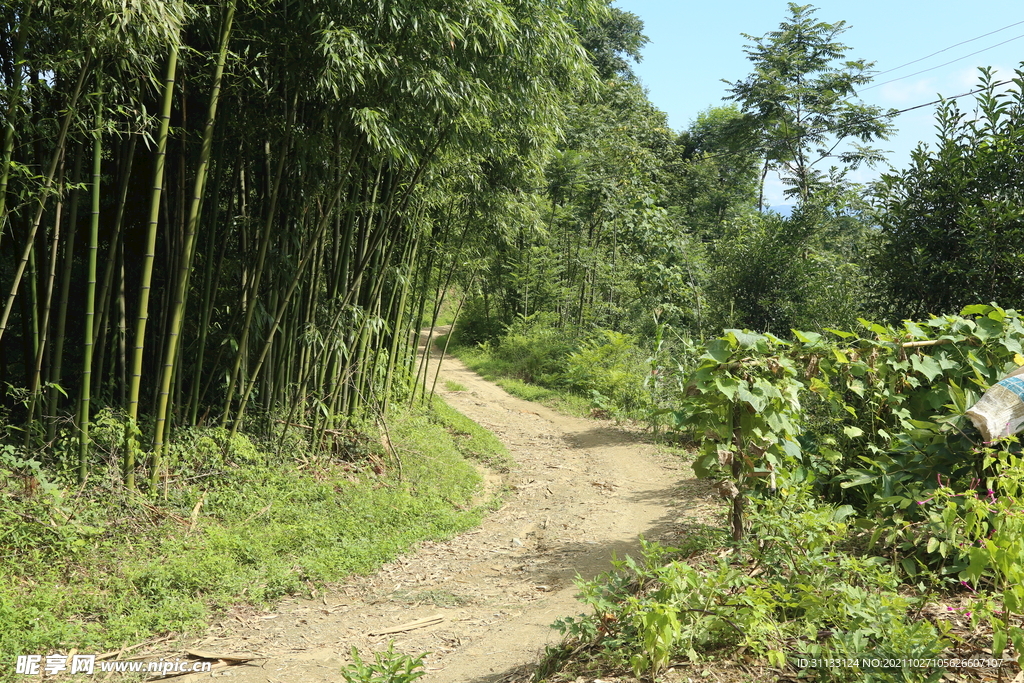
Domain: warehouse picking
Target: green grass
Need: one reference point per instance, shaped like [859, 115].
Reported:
[473, 440]
[562, 401]
[503, 373]
[101, 568]
[454, 386]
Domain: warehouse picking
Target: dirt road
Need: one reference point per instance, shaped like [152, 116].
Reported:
[582, 491]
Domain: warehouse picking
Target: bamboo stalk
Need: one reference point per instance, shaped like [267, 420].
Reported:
[90, 293]
[142, 318]
[58, 153]
[188, 250]
[57, 360]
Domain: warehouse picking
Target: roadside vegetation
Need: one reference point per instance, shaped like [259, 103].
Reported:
[101, 568]
[820, 362]
[225, 225]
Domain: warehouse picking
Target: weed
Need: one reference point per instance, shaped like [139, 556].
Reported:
[785, 595]
[475, 442]
[388, 667]
[454, 386]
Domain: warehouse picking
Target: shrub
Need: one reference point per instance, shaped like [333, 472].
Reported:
[611, 366]
[793, 593]
[537, 348]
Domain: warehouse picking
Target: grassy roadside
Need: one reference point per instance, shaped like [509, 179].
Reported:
[98, 568]
[503, 373]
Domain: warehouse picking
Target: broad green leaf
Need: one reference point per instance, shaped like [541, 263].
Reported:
[874, 327]
[756, 402]
[914, 330]
[987, 329]
[1011, 344]
[957, 396]
[727, 386]
[807, 337]
[980, 559]
[746, 340]
[999, 635]
[719, 350]
[853, 432]
[705, 465]
[842, 512]
[976, 309]
[840, 356]
[927, 366]
[859, 480]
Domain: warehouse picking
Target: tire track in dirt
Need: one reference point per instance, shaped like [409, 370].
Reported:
[581, 492]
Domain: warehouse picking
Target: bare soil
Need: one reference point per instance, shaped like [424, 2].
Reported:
[582, 491]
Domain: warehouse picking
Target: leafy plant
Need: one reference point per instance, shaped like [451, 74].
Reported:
[387, 667]
[794, 592]
[743, 398]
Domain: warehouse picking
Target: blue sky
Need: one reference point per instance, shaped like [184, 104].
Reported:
[694, 45]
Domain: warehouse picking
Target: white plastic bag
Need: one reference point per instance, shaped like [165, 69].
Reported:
[1000, 410]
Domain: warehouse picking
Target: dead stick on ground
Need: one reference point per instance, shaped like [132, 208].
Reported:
[120, 652]
[237, 657]
[412, 625]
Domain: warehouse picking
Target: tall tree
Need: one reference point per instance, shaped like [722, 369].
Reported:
[801, 103]
[712, 175]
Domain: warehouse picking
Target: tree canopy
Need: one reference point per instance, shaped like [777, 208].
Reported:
[801, 106]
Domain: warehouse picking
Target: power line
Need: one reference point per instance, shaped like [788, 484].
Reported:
[984, 35]
[943, 99]
[916, 73]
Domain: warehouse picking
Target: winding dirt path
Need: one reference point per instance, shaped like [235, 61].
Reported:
[582, 490]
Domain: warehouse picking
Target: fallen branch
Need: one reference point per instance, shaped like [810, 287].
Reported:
[118, 653]
[411, 626]
[236, 657]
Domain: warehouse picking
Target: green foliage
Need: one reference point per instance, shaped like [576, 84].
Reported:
[882, 413]
[792, 593]
[476, 324]
[100, 567]
[388, 667]
[610, 368]
[772, 273]
[538, 361]
[951, 222]
[536, 348]
[799, 102]
[712, 178]
[746, 406]
[614, 41]
[975, 533]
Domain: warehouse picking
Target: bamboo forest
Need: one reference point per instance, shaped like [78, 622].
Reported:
[237, 237]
